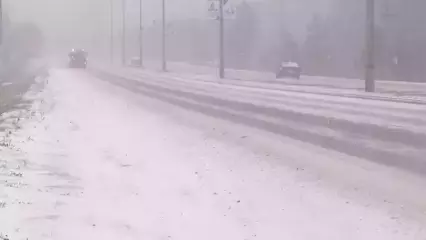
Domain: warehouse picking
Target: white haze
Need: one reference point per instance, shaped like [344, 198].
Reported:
[86, 23]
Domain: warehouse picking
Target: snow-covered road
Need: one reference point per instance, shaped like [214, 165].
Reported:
[391, 131]
[137, 157]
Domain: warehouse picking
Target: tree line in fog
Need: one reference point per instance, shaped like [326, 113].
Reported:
[20, 42]
[332, 44]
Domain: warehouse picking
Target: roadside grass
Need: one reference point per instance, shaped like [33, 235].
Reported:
[14, 83]
[13, 87]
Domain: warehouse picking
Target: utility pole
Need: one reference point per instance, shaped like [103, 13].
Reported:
[163, 39]
[370, 47]
[1, 22]
[140, 35]
[123, 39]
[111, 24]
[221, 41]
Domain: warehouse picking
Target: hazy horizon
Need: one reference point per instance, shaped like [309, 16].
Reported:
[83, 19]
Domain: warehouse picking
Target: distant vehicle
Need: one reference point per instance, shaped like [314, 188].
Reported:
[77, 58]
[289, 70]
[135, 62]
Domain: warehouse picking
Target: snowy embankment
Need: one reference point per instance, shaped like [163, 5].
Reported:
[94, 161]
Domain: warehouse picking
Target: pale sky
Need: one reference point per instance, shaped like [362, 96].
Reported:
[58, 12]
[82, 19]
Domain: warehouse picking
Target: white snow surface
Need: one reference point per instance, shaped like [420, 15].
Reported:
[97, 164]
[392, 114]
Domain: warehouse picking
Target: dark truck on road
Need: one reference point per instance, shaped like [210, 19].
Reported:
[77, 58]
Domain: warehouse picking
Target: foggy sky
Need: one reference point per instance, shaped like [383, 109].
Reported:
[81, 21]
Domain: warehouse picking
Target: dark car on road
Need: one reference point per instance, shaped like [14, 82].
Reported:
[289, 70]
[77, 58]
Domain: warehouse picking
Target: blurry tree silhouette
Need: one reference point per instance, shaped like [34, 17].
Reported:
[334, 45]
[317, 52]
[410, 32]
[22, 41]
[241, 37]
[260, 39]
